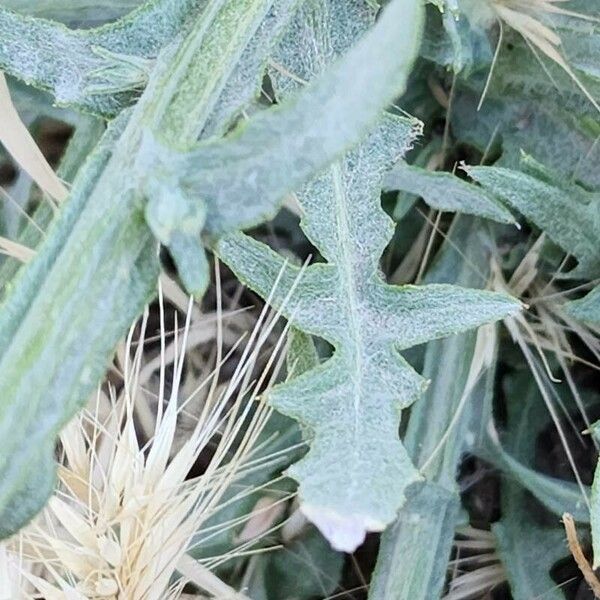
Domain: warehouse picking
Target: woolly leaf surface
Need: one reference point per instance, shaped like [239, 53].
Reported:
[354, 477]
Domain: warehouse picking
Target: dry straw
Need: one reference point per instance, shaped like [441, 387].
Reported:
[17, 140]
[124, 512]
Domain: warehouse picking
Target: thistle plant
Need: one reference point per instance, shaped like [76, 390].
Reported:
[411, 187]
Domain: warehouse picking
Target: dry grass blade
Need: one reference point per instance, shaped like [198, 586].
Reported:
[205, 579]
[476, 568]
[17, 140]
[579, 556]
[527, 17]
[15, 250]
[125, 513]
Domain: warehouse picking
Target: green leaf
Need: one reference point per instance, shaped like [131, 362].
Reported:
[245, 81]
[78, 11]
[351, 403]
[528, 542]
[413, 561]
[557, 495]
[527, 548]
[97, 70]
[568, 214]
[587, 308]
[52, 352]
[414, 551]
[216, 88]
[452, 41]
[301, 354]
[446, 192]
[230, 55]
[281, 148]
[520, 74]
[531, 103]
[320, 33]
[305, 568]
[595, 516]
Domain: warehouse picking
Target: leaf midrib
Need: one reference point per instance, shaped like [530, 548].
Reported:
[353, 316]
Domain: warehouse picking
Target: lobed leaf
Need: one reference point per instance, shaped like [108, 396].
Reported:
[351, 403]
[281, 148]
[100, 258]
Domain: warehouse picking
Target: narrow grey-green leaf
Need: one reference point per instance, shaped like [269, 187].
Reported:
[302, 568]
[306, 567]
[557, 495]
[230, 51]
[529, 411]
[595, 516]
[279, 149]
[527, 547]
[351, 403]
[52, 348]
[77, 11]
[446, 192]
[568, 214]
[233, 52]
[413, 561]
[529, 543]
[97, 69]
[414, 551]
[244, 83]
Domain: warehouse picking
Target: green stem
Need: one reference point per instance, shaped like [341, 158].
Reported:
[96, 269]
